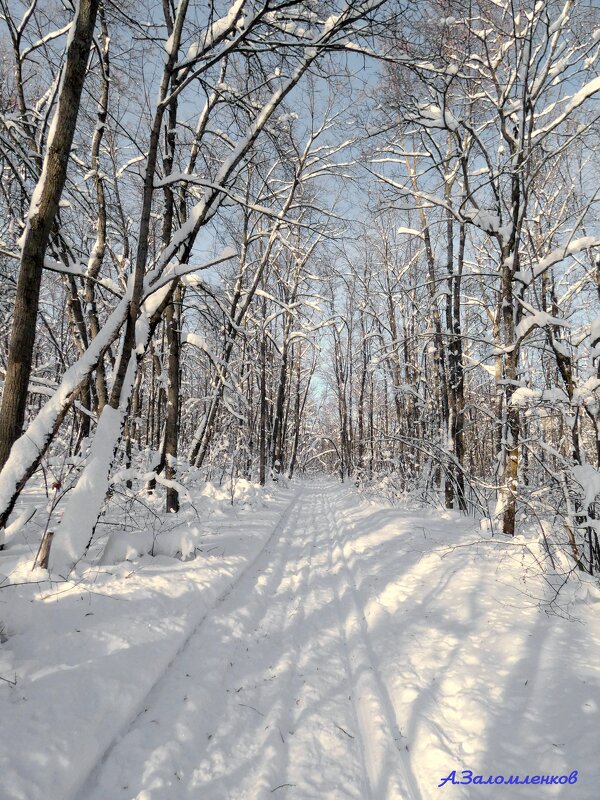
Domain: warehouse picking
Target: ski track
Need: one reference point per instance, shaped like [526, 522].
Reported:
[379, 731]
[275, 692]
[80, 793]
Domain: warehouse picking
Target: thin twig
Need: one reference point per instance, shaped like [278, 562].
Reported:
[252, 707]
[343, 730]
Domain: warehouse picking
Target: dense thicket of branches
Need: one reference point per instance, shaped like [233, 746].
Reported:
[354, 236]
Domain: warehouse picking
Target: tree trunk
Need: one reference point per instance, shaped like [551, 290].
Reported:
[41, 217]
[263, 403]
[172, 415]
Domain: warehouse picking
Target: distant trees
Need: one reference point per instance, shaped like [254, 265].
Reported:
[203, 308]
[499, 108]
[490, 271]
[161, 173]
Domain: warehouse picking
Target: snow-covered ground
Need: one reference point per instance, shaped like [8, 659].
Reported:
[318, 646]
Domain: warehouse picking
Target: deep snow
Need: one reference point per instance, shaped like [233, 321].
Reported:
[318, 646]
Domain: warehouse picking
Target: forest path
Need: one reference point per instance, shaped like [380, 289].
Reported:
[277, 692]
[319, 647]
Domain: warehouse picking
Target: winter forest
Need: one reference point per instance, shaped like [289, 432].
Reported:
[300, 411]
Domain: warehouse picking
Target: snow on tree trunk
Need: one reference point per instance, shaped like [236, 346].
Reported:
[27, 452]
[86, 499]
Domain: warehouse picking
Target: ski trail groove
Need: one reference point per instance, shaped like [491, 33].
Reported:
[324, 731]
[362, 750]
[80, 791]
[266, 772]
[385, 772]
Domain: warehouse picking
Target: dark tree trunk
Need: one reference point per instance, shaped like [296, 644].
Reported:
[42, 214]
[263, 404]
[172, 414]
